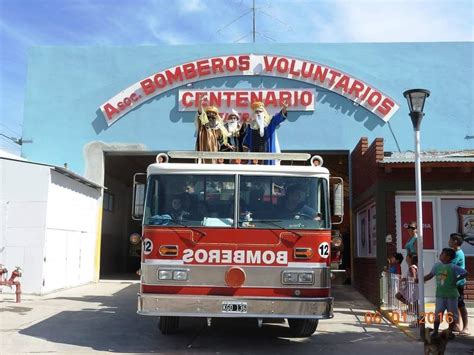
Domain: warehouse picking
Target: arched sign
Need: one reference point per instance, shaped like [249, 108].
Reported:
[250, 64]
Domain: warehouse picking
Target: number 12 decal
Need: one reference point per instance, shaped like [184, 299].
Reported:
[147, 246]
[323, 250]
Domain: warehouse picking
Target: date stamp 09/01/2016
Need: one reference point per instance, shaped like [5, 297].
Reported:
[397, 317]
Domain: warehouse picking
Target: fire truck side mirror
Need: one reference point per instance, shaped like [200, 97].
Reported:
[138, 199]
[338, 198]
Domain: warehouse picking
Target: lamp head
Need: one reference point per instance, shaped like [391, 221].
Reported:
[416, 102]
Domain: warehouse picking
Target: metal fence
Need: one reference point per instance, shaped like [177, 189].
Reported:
[399, 296]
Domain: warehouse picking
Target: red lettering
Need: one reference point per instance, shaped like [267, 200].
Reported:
[217, 65]
[241, 99]
[198, 97]
[306, 98]
[189, 71]
[366, 92]
[215, 99]
[269, 65]
[282, 65]
[134, 97]
[231, 64]
[320, 74]
[374, 98]
[334, 75]
[244, 62]
[159, 80]
[356, 88]
[203, 67]
[256, 96]
[307, 73]
[271, 99]
[228, 96]
[147, 86]
[343, 83]
[292, 68]
[121, 106]
[127, 101]
[286, 96]
[110, 111]
[184, 100]
[176, 76]
[386, 106]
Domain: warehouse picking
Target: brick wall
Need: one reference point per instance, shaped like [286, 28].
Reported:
[366, 279]
[365, 172]
[364, 161]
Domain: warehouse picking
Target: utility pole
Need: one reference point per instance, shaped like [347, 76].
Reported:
[253, 32]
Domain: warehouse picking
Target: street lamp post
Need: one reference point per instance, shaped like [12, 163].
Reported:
[416, 101]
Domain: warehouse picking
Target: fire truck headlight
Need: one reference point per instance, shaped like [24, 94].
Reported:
[297, 277]
[180, 275]
[290, 277]
[305, 278]
[165, 275]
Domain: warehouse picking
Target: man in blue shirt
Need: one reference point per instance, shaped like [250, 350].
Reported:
[455, 242]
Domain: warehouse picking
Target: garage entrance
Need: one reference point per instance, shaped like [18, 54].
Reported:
[119, 259]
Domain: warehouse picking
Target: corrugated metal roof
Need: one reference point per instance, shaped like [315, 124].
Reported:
[463, 156]
[60, 170]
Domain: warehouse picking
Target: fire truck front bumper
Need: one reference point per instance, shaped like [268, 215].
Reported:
[235, 307]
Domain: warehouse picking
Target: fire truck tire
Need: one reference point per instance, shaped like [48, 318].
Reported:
[303, 327]
[168, 325]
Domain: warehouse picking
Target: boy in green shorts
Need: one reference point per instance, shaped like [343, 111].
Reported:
[447, 294]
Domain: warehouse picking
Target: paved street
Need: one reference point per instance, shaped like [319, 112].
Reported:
[101, 318]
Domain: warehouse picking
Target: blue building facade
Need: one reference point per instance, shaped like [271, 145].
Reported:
[67, 85]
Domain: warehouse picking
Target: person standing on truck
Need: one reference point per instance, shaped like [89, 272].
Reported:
[236, 130]
[260, 135]
[210, 129]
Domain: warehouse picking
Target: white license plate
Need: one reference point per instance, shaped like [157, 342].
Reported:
[234, 307]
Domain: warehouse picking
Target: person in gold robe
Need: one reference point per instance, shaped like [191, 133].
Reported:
[210, 130]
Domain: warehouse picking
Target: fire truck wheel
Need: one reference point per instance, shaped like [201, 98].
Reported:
[168, 325]
[303, 327]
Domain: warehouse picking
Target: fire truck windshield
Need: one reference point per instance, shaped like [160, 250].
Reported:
[285, 202]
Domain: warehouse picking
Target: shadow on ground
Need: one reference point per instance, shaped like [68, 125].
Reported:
[114, 326]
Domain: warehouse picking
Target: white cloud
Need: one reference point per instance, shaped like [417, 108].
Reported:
[191, 5]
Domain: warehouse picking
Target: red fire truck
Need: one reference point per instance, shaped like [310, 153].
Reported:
[237, 240]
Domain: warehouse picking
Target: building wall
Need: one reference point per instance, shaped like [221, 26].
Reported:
[71, 232]
[443, 184]
[48, 227]
[67, 85]
[24, 204]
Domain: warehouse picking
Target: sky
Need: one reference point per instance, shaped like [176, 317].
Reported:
[28, 23]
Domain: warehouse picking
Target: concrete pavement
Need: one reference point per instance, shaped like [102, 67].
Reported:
[100, 318]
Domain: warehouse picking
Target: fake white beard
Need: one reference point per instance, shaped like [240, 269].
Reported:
[260, 119]
[232, 126]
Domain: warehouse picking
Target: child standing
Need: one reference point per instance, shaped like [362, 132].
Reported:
[409, 293]
[455, 242]
[395, 263]
[447, 293]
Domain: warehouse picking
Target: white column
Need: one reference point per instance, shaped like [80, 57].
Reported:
[419, 223]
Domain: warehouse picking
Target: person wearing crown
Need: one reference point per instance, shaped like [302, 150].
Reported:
[236, 131]
[210, 130]
[260, 135]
